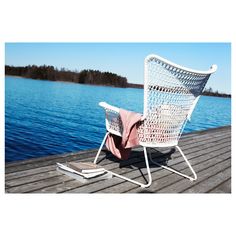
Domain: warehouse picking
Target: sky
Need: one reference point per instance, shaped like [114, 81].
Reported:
[125, 59]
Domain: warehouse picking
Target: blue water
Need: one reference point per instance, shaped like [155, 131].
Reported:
[44, 117]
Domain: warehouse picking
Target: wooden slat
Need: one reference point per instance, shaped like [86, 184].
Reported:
[223, 187]
[131, 174]
[207, 151]
[32, 178]
[32, 175]
[123, 171]
[19, 173]
[162, 178]
[180, 186]
[212, 179]
[28, 173]
[38, 185]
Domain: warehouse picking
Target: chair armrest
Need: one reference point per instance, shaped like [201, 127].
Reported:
[113, 108]
[109, 107]
[113, 121]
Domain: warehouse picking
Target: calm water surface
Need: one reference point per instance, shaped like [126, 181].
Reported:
[44, 117]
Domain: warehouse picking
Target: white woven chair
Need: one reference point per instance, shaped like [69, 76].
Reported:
[171, 93]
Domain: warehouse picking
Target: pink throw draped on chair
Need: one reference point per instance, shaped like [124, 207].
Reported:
[121, 146]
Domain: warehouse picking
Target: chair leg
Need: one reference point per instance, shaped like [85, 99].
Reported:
[123, 177]
[136, 182]
[100, 149]
[148, 168]
[177, 172]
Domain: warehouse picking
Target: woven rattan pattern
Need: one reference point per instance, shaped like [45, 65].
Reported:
[169, 94]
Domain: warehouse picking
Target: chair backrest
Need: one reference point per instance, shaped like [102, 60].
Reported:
[170, 95]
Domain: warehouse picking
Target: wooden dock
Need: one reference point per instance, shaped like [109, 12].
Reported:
[209, 152]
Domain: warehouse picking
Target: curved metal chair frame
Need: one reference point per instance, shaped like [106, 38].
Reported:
[171, 93]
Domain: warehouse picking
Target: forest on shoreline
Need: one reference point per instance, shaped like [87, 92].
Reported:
[44, 72]
[93, 77]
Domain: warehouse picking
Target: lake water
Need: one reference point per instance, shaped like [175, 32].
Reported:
[44, 117]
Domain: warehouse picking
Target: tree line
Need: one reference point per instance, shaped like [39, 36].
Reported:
[210, 92]
[45, 72]
[94, 77]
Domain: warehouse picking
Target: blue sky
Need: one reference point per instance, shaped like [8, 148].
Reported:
[125, 59]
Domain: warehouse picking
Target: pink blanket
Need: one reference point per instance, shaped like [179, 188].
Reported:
[121, 146]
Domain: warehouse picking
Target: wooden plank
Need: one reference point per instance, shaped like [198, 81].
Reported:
[37, 170]
[75, 184]
[205, 133]
[31, 175]
[115, 181]
[162, 177]
[182, 167]
[224, 187]
[195, 147]
[32, 178]
[207, 184]
[31, 170]
[39, 175]
[38, 185]
[208, 132]
[24, 173]
[137, 174]
[182, 164]
[180, 185]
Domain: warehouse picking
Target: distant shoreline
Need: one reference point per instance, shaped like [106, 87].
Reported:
[63, 81]
[128, 85]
